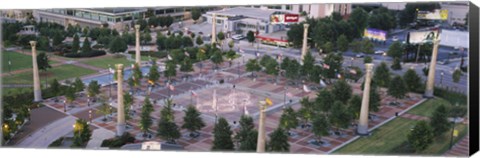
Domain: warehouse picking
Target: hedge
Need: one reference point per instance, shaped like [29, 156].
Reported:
[118, 142]
[93, 53]
[159, 54]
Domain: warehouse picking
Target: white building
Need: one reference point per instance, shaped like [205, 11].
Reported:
[313, 10]
[240, 20]
[457, 12]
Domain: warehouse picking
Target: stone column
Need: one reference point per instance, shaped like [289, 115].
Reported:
[137, 44]
[214, 29]
[261, 128]
[304, 44]
[431, 70]
[37, 92]
[120, 105]
[362, 128]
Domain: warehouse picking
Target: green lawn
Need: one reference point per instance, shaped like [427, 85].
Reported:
[428, 107]
[383, 139]
[105, 61]
[391, 138]
[19, 61]
[60, 73]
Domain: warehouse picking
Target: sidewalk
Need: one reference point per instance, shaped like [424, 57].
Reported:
[98, 136]
[45, 136]
[460, 149]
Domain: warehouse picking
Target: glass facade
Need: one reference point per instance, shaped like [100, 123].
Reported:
[95, 16]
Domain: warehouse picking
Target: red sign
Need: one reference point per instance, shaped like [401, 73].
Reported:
[291, 17]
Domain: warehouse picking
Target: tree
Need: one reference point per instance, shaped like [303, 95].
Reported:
[199, 40]
[271, 67]
[170, 69]
[295, 35]
[43, 62]
[78, 85]
[127, 102]
[137, 74]
[192, 120]
[367, 59]
[421, 136]
[288, 120]
[145, 37]
[75, 44]
[153, 74]
[161, 39]
[86, 46]
[342, 91]
[278, 141]
[168, 21]
[334, 62]
[250, 37]
[342, 43]
[382, 18]
[58, 38]
[196, 13]
[153, 21]
[439, 121]
[253, 66]
[357, 46]
[324, 100]
[396, 64]
[306, 112]
[457, 74]
[412, 80]
[327, 47]
[293, 70]
[359, 18]
[93, 88]
[217, 58]
[221, 36]
[308, 64]
[81, 133]
[408, 14]
[231, 43]
[340, 117]
[320, 127]
[354, 106]
[247, 135]
[367, 46]
[382, 75]
[145, 119]
[117, 45]
[104, 110]
[395, 50]
[55, 87]
[187, 41]
[397, 88]
[222, 136]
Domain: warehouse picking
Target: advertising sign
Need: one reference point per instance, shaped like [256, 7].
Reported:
[435, 15]
[284, 18]
[422, 36]
[376, 34]
[291, 18]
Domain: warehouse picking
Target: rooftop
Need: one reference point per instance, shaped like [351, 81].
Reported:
[257, 13]
[115, 11]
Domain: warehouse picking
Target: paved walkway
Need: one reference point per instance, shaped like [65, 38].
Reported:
[98, 136]
[414, 117]
[459, 149]
[44, 137]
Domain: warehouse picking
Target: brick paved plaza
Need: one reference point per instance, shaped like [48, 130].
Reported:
[231, 104]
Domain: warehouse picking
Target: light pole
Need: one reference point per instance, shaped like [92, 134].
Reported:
[384, 54]
[65, 106]
[351, 63]
[88, 100]
[90, 115]
[46, 75]
[441, 77]
[453, 129]
[110, 82]
[285, 95]
[9, 63]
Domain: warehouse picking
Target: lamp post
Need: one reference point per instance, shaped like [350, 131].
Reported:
[285, 95]
[65, 106]
[384, 54]
[351, 63]
[110, 82]
[88, 100]
[453, 129]
[441, 77]
[46, 75]
[9, 63]
[90, 115]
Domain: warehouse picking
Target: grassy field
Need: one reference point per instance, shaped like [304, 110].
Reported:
[60, 73]
[19, 61]
[391, 138]
[382, 140]
[428, 107]
[105, 61]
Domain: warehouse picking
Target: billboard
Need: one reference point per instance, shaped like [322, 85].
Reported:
[375, 34]
[283, 18]
[421, 36]
[435, 15]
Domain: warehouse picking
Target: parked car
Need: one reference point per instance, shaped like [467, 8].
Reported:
[379, 52]
[238, 37]
[360, 55]
[395, 38]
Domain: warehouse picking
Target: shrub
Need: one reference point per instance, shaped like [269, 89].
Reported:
[57, 142]
[118, 142]
[92, 53]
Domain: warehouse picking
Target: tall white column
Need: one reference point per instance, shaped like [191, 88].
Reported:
[261, 128]
[214, 29]
[120, 105]
[431, 70]
[137, 44]
[37, 92]
[363, 122]
[304, 44]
